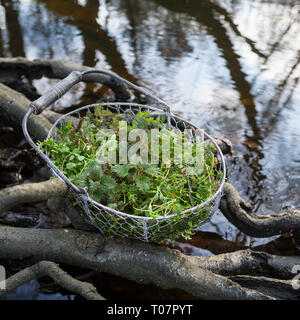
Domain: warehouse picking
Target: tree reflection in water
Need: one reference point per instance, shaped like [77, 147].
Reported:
[230, 66]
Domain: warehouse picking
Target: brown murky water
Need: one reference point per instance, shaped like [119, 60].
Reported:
[230, 66]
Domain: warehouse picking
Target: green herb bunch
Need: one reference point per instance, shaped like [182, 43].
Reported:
[137, 188]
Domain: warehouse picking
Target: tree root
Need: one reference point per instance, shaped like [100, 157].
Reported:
[240, 214]
[224, 144]
[235, 209]
[13, 107]
[83, 277]
[17, 219]
[141, 262]
[12, 69]
[31, 192]
[242, 274]
[53, 116]
[51, 269]
[281, 289]
[249, 262]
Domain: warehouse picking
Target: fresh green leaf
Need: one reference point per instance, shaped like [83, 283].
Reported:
[70, 165]
[121, 170]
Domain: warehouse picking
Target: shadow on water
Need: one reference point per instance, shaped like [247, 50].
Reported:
[208, 15]
[16, 46]
[94, 37]
[230, 66]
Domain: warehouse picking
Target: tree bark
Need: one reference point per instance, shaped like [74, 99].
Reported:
[240, 214]
[13, 107]
[30, 192]
[12, 69]
[141, 262]
[226, 276]
[51, 269]
[249, 262]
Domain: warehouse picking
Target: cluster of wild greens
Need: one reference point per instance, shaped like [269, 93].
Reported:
[150, 190]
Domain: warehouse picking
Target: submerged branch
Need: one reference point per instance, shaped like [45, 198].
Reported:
[52, 270]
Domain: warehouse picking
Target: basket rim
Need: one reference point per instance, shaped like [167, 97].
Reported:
[86, 197]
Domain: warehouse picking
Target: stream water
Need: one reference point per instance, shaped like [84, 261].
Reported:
[229, 66]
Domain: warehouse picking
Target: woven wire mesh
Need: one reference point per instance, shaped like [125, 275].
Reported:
[148, 229]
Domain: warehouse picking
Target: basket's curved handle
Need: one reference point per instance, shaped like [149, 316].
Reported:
[75, 77]
[166, 107]
[56, 92]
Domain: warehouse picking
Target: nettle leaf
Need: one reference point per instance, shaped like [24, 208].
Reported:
[153, 170]
[143, 183]
[93, 171]
[64, 149]
[156, 197]
[97, 196]
[113, 205]
[70, 165]
[108, 183]
[136, 188]
[121, 170]
[72, 177]
[94, 186]
[82, 180]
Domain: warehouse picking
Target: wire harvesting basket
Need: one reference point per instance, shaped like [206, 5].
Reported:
[110, 221]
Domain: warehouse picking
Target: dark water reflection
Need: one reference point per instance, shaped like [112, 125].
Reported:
[230, 66]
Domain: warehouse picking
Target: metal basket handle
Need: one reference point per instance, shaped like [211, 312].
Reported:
[75, 77]
[56, 92]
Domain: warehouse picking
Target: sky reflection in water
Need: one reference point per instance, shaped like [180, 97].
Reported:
[232, 67]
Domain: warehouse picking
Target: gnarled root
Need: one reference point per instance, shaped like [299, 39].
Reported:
[52, 270]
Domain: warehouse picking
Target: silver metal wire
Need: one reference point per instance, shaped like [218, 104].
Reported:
[111, 221]
[108, 220]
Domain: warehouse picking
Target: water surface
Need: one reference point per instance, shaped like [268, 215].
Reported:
[231, 67]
